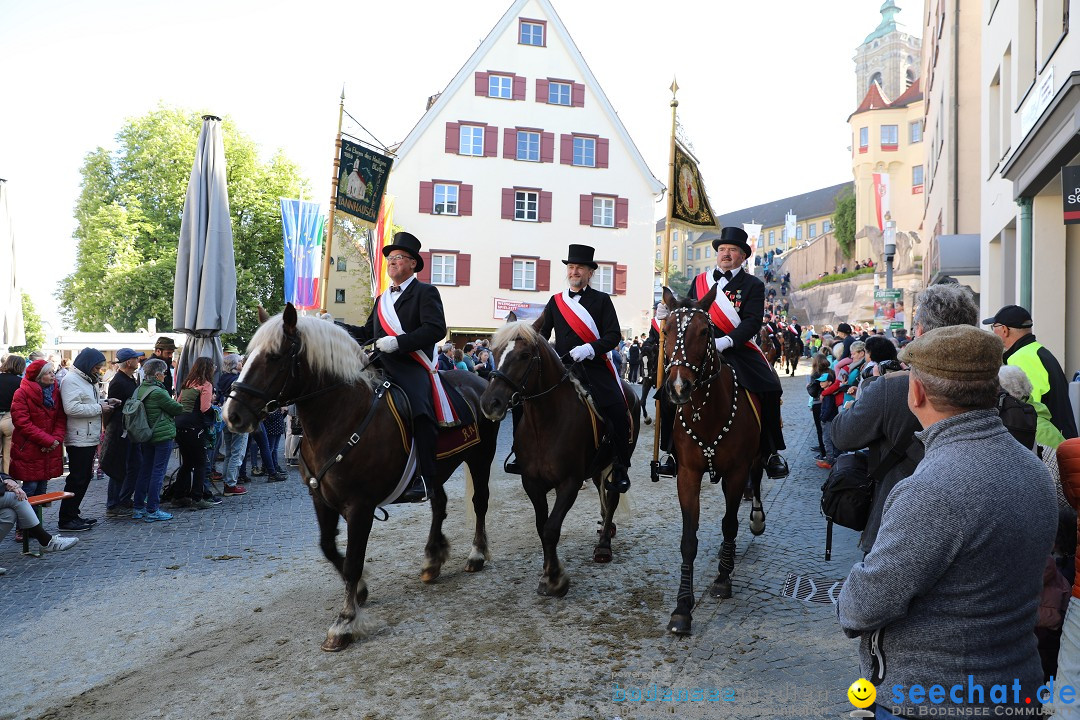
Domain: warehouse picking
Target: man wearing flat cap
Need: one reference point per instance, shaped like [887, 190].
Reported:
[1049, 385]
[950, 591]
[743, 296]
[405, 323]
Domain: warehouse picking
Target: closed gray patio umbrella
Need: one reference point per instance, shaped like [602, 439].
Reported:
[12, 332]
[204, 298]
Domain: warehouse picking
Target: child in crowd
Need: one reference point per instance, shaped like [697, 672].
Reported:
[829, 410]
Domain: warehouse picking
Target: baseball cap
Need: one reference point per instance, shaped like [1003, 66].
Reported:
[824, 377]
[124, 354]
[1012, 316]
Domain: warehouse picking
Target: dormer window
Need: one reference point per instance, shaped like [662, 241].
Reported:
[532, 32]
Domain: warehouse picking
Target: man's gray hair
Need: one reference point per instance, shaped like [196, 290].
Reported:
[945, 305]
[231, 364]
[961, 395]
[153, 366]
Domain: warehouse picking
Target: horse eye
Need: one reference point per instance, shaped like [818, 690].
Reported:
[273, 356]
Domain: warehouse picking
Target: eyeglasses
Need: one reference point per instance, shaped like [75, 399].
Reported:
[398, 258]
[995, 326]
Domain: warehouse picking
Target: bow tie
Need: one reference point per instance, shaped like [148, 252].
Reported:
[575, 293]
[716, 274]
[395, 288]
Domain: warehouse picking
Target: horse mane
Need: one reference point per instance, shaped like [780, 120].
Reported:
[329, 350]
[521, 330]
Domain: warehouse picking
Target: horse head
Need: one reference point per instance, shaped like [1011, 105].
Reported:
[690, 356]
[517, 348]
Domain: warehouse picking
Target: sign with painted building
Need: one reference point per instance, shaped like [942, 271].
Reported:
[362, 181]
[889, 309]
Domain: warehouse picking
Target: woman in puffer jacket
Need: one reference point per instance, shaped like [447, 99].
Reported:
[84, 408]
[37, 415]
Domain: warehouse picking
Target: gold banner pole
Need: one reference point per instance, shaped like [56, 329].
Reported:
[664, 266]
[328, 239]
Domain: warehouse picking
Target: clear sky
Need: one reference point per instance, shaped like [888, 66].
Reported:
[765, 87]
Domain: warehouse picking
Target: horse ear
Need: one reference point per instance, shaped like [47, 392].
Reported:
[706, 302]
[669, 298]
[511, 317]
[289, 317]
[263, 315]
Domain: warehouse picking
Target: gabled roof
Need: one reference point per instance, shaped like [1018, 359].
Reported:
[808, 205]
[875, 99]
[912, 95]
[473, 63]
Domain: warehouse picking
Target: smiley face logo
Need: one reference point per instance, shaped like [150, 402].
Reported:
[862, 693]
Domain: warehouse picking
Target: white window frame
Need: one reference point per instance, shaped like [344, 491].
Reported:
[444, 268]
[922, 175]
[895, 133]
[708, 252]
[584, 151]
[501, 86]
[604, 278]
[451, 206]
[527, 205]
[826, 226]
[471, 140]
[524, 277]
[772, 237]
[603, 211]
[813, 231]
[342, 264]
[915, 132]
[798, 232]
[864, 137]
[531, 140]
[339, 295]
[532, 35]
[561, 92]
[675, 253]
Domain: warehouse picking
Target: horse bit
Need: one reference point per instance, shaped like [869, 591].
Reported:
[519, 397]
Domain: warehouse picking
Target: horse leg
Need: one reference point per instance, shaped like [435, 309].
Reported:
[479, 479]
[721, 586]
[554, 582]
[645, 387]
[757, 510]
[690, 503]
[437, 549]
[609, 501]
[347, 625]
[328, 530]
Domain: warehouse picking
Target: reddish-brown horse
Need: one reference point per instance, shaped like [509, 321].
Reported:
[770, 347]
[790, 350]
[717, 430]
[353, 456]
[554, 439]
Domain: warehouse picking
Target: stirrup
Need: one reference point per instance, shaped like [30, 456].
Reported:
[510, 464]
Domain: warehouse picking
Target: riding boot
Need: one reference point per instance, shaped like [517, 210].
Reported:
[425, 434]
[511, 464]
[618, 430]
[772, 436]
[667, 466]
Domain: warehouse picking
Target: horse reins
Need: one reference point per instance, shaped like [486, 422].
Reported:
[276, 403]
[520, 397]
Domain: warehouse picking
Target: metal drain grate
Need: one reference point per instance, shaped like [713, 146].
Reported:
[808, 589]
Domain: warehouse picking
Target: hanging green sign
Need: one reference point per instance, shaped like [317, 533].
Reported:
[362, 180]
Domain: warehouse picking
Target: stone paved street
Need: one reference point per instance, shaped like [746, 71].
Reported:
[219, 613]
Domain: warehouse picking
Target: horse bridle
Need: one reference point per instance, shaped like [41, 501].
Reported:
[520, 396]
[683, 317]
[275, 402]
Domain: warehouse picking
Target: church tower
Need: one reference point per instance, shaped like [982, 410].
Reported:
[888, 56]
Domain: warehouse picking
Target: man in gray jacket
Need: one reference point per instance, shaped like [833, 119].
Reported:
[946, 602]
[880, 419]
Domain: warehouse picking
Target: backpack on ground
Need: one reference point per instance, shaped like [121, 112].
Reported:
[136, 427]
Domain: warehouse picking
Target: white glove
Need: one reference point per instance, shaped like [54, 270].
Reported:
[662, 311]
[724, 343]
[582, 352]
[387, 344]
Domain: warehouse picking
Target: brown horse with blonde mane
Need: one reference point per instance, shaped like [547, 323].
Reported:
[717, 431]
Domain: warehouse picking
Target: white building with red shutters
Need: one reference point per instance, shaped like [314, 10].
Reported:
[519, 156]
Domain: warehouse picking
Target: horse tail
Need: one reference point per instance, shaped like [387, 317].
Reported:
[469, 491]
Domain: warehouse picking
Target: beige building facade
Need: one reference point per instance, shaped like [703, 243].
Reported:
[1030, 116]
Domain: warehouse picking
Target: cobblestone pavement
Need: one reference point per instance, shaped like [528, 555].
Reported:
[219, 613]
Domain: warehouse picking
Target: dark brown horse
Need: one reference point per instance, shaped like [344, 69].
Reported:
[649, 355]
[353, 455]
[770, 348]
[554, 438]
[717, 430]
[791, 350]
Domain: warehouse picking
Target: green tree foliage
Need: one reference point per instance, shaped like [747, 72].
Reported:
[679, 284]
[32, 326]
[844, 223]
[129, 214]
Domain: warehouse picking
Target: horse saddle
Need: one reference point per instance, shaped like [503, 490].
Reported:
[450, 440]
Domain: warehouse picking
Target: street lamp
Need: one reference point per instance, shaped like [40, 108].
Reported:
[890, 251]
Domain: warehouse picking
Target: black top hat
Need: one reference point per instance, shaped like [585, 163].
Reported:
[580, 255]
[733, 236]
[410, 244]
[1012, 316]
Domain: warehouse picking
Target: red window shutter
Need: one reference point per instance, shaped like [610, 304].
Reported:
[424, 275]
[586, 210]
[566, 149]
[545, 207]
[491, 141]
[577, 95]
[547, 147]
[541, 91]
[510, 143]
[622, 212]
[519, 87]
[601, 152]
[427, 197]
[482, 83]
[543, 274]
[453, 137]
[464, 269]
[506, 272]
[508, 204]
[465, 200]
[620, 279]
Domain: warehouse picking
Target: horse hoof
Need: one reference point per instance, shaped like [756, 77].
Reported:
[555, 591]
[336, 643]
[601, 554]
[648, 421]
[474, 565]
[756, 530]
[429, 575]
[720, 589]
[679, 624]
